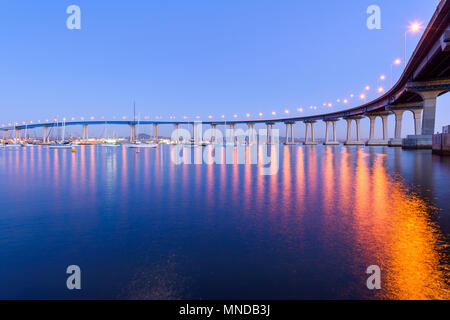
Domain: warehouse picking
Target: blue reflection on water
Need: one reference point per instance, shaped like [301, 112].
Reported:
[141, 227]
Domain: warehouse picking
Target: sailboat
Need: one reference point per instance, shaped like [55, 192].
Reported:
[62, 144]
[27, 138]
[15, 143]
[138, 144]
[109, 143]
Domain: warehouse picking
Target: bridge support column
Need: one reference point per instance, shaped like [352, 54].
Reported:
[155, 131]
[175, 136]
[334, 133]
[85, 133]
[287, 134]
[358, 130]
[429, 111]
[397, 141]
[358, 141]
[313, 140]
[373, 118]
[270, 138]
[45, 137]
[424, 126]
[372, 127]
[349, 130]
[385, 129]
[251, 138]
[132, 133]
[195, 132]
[290, 133]
[232, 136]
[327, 133]
[306, 132]
[418, 140]
[417, 122]
[213, 139]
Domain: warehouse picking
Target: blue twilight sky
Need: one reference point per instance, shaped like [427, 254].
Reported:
[197, 57]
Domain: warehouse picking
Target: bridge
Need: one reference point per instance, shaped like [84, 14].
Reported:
[426, 76]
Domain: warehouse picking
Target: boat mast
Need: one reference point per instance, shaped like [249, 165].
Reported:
[63, 131]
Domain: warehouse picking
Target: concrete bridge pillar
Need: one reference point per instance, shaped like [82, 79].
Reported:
[155, 131]
[194, 132]
[424, 123]
[251, 138]
[417, 121]
[313, 139]
[270, 139]
[349, 130]
[287, 135]
[213, 135]
[132, 133]
[334, 133]
[85, 132]
[327, 132]
[372, 127]
[45, 135]
[385, 128]
[175, 135]
[429, 111]
[373, 118]
[306, 132]
[399, 110]
[290, 131]
[397, 141]
[292, 134]
[233, 134]
[358, 131]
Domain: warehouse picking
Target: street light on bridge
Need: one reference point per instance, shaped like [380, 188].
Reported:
[395, 63]
[414, 27]
[363, 97]
[380, 89]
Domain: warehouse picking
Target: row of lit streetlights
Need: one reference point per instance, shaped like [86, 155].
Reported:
[413, 28]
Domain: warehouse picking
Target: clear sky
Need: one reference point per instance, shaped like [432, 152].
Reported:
[197, 57]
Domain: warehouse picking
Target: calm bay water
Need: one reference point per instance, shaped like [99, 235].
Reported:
[140, 226]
